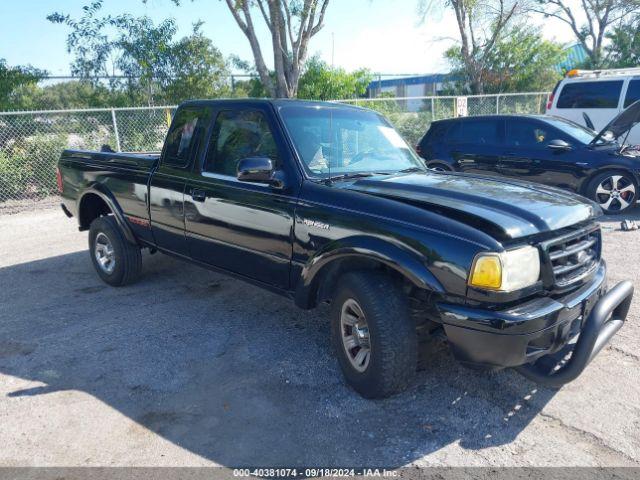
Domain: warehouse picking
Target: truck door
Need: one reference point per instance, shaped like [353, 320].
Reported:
[241, 227]
[166, 187]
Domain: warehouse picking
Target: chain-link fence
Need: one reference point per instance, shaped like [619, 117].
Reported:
[31, 142]
[412, 116]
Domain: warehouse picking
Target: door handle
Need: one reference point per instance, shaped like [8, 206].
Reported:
[198, 195]
[509, 154]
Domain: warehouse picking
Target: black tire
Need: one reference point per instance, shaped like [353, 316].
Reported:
[127, 258]
[392, 333]
[626, 180]
[439, 167]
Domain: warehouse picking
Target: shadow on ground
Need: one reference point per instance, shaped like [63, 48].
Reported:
[234, 374]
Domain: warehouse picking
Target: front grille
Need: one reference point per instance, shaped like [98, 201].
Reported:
[573, 256]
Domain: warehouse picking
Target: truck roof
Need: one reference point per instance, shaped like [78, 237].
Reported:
[493, 117]
[264, 101]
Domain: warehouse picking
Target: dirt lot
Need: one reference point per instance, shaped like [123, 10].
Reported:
[188, 367]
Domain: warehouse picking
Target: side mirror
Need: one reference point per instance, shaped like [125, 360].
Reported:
[559, 145]
[259, 170]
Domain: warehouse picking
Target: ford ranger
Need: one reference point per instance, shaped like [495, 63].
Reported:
[323, 202]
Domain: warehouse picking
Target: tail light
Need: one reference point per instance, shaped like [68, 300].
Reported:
[59, 179]
[550, 102]
[553, 95]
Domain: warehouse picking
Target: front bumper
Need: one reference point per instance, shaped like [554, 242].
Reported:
[535, 330]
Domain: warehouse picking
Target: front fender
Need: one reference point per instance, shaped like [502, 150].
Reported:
[109, 199]
[398, 257]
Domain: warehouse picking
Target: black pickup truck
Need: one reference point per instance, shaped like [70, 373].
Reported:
[322, 202]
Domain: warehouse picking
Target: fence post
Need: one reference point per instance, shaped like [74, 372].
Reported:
[433, 110]
[115, 129]
[497, 104]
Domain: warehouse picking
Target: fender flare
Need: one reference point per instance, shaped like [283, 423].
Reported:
[397, 257]
[111, 202]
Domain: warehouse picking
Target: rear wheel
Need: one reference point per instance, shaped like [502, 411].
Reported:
[614, 191]
[117, 261]
[373, 334]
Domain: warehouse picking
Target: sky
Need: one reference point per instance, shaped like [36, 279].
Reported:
[384, 36]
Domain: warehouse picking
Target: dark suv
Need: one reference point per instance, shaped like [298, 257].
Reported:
[540, 148]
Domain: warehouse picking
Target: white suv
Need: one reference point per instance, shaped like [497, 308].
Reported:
[600, 94]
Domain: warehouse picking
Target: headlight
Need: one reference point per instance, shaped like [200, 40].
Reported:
[506, 271]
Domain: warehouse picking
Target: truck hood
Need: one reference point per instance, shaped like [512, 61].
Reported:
[506, 208]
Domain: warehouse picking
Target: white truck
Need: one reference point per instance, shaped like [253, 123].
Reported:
[594, 97]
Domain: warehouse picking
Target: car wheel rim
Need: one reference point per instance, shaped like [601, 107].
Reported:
[616, 193]
[355, 335]
[437, 168]
[103, 251]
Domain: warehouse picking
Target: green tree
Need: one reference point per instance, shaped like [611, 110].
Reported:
[153, 64]
[623, 49]
[590, 21]
[291, 25]
[72, 94]
[521, 61]
[321, 82]
[197, 69]
[12, 79]
[481, 26]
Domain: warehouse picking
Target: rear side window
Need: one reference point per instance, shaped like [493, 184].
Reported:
[183, 138]
[435, 134]
[633, 93]
[483, 132]
[590, 94]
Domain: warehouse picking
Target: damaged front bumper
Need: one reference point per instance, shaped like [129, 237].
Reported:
[536, 337]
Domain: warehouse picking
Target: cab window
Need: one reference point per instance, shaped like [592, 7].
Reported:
[237, 135]
[184, 135]
[603, 94]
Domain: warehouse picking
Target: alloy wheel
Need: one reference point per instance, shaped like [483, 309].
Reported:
[104, 253]
[355, 335]
[616, 193]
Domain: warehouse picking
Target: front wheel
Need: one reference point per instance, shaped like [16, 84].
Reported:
[373, 334]
[615, 192]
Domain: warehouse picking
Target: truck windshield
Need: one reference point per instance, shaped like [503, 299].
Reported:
[335, 141]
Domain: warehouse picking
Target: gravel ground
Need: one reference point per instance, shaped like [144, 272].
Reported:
[188, 367]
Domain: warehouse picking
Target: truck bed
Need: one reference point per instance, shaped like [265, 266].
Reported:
[118, 177]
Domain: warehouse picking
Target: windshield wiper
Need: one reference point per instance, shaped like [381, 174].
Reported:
[411, 170]
[348, 176]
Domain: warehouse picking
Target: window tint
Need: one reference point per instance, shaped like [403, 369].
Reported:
[590, 94]
[238, 135]
[436, 133]
[527, 134]
[483, 132]
[633, 93]
[182, 139]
